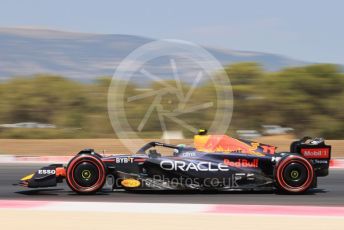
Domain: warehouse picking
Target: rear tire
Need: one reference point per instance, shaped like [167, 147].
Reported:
[294, 174]
[85, 174]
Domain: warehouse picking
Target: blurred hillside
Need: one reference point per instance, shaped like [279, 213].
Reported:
[83, 57]
[308, 99]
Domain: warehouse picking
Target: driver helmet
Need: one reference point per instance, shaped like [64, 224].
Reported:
[202, 132]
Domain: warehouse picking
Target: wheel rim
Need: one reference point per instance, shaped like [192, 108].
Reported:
[295, 174]
[86, 174]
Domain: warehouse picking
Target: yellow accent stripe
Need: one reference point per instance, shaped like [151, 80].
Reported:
[28, 177]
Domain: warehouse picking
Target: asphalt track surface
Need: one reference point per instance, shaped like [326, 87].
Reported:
[330, 192]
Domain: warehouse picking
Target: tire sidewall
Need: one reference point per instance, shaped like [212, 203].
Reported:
[280, 181]
[76, 161]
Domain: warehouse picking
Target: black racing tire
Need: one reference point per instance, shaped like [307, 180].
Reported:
[85, 174]
[294, 174]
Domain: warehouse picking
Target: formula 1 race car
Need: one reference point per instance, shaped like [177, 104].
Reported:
[216, 162]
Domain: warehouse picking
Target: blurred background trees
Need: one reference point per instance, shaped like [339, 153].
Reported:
[308, 99]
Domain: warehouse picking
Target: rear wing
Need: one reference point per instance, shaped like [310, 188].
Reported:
[316, 151]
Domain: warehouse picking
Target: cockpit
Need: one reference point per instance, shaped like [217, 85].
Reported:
[157, 149]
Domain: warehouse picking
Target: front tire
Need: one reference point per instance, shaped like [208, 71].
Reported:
[294, 174]
[85, 174]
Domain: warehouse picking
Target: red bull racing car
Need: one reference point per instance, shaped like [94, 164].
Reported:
[216, 162]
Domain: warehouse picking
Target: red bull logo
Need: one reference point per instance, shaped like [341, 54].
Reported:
[242, 163]
[223, 143]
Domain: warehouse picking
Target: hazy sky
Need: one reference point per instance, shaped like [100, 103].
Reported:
[307, 30]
